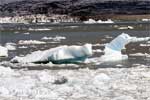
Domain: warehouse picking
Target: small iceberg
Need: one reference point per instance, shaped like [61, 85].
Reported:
[3, 52]
[145, 20]
[107, 21]
[58, 55]
[40, 29]
[113, 49]
[28, 42]
[10, 46]
[90, 21]
[125, 27]
[56, 38]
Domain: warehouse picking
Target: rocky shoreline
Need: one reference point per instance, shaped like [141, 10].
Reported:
[77, 8]
[45, 11]
[38, 19]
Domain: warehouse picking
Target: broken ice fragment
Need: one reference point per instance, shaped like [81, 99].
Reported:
[3, 52]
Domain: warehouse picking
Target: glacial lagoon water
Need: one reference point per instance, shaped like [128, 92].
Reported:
[42, 37]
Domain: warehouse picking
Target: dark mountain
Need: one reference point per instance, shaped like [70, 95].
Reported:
[74, 7]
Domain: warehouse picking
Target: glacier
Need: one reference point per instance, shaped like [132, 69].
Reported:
[58, 55]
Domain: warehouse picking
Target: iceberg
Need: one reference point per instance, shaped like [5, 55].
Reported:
[3, 52]
[146, 20]
[56, 38]
[90, 21]
[108, 21]
[126, 27]
[10, 46]
[58, 55]
[112, 51]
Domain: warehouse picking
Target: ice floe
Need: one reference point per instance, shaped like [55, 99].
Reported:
[145, 20]
[3, 51]
[145, 45]
[27, 33]
[98, 44]
[39, 29]
[22, 47]
[126, 27]
[92, 21]
[62, 54]
[10, 46]
[56, 38]
[140, 54]
[27, 42]
[107, 21]
[108, 37]
[119, 65]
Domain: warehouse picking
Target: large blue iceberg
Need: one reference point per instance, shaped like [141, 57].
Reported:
[113, 49]
[58, 55]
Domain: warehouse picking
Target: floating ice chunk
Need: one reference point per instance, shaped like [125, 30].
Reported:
[62, 54]
[119, 65]
[16, 32]
[3, 51]
[98, 44]
[119, 42]
[113, 49]
[113, 57]
[108, 37]
[72, 27]
[31, 42]
[27, 33]
[108, 21]
[57, 38]
[90, 21]
[42, 29]
[135, 39]
[126, 27]
[23, 47]
[145, 20]
[139, 54]
[10, 46]
[144, 45]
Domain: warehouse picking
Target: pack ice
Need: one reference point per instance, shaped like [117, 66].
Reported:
[113, 49]
[58, 55]
[3, 51]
